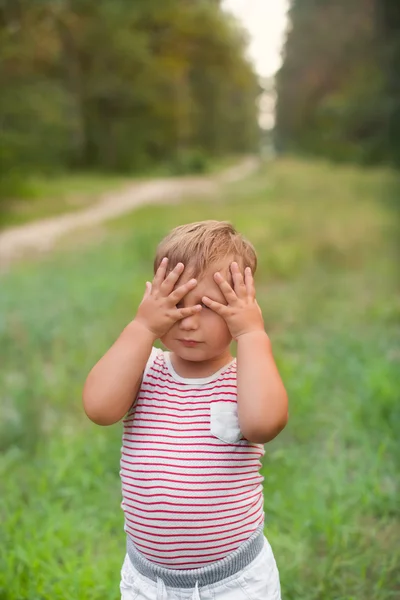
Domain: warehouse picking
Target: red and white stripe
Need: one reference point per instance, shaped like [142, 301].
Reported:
[189, 499]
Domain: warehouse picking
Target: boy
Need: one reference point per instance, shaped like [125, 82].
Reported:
[196, 421]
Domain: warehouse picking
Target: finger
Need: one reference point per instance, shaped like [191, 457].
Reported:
[148, 289]
[181, 291]
[217, 307]
[188, 312]
[225, 288]
[249, 282]
[160, 273]
[238, 282]
[169, 282]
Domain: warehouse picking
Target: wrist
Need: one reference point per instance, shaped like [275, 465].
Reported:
[138, 327]
[252, 334]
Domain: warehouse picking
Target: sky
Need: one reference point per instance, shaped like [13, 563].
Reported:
[266, 22]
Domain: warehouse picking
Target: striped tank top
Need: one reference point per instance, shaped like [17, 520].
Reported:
[191, 485]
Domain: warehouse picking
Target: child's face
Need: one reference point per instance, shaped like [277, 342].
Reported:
[205, 335]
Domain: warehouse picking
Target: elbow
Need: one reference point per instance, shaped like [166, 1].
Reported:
[93, 410]
[97, 418]
[266, 431]
[91, 413]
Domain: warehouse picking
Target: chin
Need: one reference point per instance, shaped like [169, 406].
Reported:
[190, 354]
[194, 354]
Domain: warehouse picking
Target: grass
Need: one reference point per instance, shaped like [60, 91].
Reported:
[328, 287]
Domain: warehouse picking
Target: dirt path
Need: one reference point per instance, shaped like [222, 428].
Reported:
[40, 236]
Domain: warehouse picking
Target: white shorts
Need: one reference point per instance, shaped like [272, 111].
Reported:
[258, 581]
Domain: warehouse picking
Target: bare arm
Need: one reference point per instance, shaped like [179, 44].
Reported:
[262, 398]
[113, 383]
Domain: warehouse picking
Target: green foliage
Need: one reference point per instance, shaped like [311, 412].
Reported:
[338, 93]
[120, 86]
[189, 162]
[328, 289]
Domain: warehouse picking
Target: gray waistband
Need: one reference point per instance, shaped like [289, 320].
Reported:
[187, 578]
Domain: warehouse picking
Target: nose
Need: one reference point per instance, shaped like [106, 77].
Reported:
[189, 323]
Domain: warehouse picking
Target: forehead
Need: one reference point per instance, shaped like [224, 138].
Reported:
[207, 277]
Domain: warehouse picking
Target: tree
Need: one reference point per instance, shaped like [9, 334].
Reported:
[333, 94]
[118, 85]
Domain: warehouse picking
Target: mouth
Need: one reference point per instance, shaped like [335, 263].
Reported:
[189, 343]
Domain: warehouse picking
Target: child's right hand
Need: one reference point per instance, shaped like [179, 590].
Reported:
[158, 311]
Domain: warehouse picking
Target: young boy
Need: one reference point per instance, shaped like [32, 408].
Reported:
[196, 421]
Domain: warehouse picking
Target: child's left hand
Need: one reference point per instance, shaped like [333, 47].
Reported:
[242, 313]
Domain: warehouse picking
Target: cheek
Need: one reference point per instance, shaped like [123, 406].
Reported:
[171, 334]
[166, 338]
[217, 326]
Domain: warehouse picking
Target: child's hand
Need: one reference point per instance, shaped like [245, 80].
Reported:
[157, 311]
[242, 313]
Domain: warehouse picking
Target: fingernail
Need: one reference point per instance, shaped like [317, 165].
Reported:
[192, 281]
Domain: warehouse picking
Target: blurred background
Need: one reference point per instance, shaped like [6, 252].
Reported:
[122, 119]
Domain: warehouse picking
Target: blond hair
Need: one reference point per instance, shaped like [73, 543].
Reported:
[203, 244]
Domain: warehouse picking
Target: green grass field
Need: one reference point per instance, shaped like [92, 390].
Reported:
[328, 287]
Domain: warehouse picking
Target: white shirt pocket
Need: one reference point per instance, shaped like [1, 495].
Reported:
[224, 422]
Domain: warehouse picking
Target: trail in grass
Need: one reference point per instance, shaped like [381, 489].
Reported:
[40, 236]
